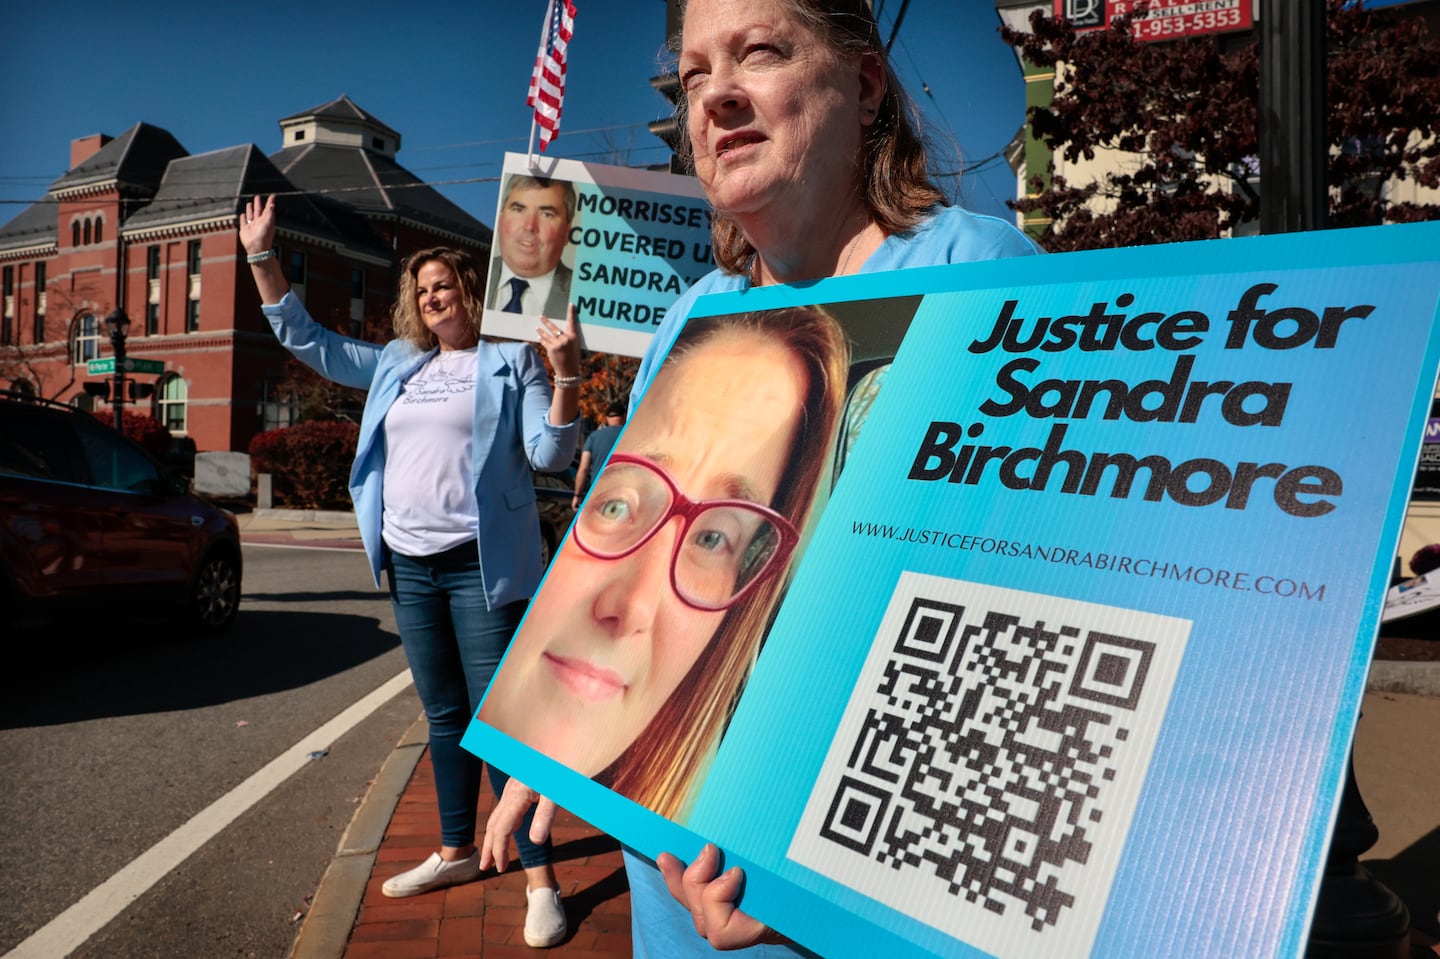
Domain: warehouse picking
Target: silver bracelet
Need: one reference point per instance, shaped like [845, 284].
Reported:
[567, 382]
[254, 258]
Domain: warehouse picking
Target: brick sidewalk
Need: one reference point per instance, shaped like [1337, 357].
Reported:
[485, 918]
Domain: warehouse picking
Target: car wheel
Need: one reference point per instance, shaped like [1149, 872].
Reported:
[214, 594]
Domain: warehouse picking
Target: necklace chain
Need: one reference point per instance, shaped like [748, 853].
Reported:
[756, 261]
[845, 264]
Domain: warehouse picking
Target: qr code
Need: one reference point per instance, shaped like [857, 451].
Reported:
[989, 762]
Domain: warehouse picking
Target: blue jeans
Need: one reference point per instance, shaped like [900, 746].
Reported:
[454, 642]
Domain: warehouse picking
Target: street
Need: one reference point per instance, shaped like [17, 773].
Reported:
[112, 738]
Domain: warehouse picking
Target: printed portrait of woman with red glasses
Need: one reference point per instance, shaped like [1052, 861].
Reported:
[634, 652]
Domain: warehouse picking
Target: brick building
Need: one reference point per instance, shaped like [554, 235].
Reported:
[139, 223]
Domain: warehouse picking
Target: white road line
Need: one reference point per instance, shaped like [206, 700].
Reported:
[69, 930]
[332, 549]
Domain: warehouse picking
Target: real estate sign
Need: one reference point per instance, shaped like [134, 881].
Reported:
[1166, 19]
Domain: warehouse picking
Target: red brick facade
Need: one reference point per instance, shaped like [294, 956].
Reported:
[206, 327]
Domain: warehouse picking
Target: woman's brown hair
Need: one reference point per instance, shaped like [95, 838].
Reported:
[660, 769]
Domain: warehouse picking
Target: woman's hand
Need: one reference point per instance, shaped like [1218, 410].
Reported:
[257, 224]
[506, 817]
[561, 344]
[257, 234]
[710, 900]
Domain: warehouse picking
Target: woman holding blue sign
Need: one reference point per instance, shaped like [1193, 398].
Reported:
[805, 145]
[453, 424]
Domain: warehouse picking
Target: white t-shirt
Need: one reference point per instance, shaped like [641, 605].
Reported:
[429, 482]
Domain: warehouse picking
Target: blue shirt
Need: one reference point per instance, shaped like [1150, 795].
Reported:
[599, 444]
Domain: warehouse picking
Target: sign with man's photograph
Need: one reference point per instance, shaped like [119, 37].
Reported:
[621, 244]
[1017, 609]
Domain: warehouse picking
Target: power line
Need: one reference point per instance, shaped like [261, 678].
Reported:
[368, 188]
[966, 167]
[21, 179]
[521, 139]
[895, 28]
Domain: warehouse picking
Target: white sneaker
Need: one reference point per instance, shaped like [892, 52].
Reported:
[433, 873]
[544, 918]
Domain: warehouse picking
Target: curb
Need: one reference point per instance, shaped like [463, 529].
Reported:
[326, 930]
[327, 517]
[1399, 676]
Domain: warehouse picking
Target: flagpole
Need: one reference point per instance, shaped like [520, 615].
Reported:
[544, 35]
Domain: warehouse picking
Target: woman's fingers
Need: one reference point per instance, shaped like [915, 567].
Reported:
[561, 343]
[257, 224]
[710, 899]
[544, 819]
[506, 817]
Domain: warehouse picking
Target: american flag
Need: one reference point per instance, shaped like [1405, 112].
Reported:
[547, 80]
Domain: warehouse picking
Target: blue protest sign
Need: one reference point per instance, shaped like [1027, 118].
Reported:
[1011, 609]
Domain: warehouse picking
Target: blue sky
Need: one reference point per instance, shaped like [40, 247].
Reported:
[450, 77]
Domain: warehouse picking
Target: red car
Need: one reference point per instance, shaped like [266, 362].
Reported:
[92, 527]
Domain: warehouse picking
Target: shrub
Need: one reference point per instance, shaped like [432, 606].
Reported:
[142, 429]
[309, 463]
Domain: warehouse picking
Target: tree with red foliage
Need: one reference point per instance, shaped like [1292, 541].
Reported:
[310, 462]
[1186, 113]
[149, 432]
[607, 379]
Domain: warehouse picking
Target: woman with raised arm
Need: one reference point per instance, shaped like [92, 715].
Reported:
[453, 424]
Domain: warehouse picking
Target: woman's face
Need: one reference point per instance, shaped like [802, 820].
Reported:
[608, 641]
[442, 306]
[775, 117]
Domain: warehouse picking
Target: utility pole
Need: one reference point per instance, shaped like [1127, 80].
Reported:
[1293, 191]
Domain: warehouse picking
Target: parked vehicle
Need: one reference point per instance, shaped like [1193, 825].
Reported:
[553, 492]
[92, 527]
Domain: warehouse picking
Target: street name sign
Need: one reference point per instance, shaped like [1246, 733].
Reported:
[131, 365]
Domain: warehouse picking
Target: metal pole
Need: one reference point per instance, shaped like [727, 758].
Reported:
[117, 342]
[1293, 144]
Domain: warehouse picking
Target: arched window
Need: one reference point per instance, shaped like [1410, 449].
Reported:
[86, 334]
[87, 231]
[99, 229]
[171, 396]
[75, 233]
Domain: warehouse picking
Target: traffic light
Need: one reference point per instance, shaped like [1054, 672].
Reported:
[140, 391]
[100, 389]
[673, 19]
[669, 129]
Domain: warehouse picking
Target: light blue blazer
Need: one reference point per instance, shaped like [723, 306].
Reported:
[513, 433]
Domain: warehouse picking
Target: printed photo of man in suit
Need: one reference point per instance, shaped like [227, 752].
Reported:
[533, 228]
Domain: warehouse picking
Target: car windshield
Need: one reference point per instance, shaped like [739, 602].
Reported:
[115, 464]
